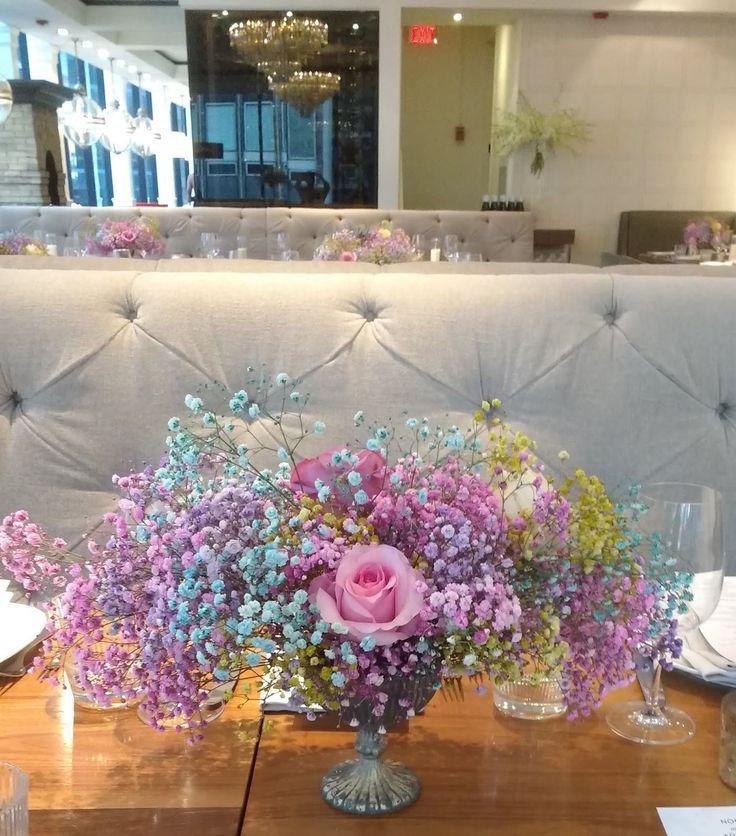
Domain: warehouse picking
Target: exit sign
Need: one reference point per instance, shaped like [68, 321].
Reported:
[422, 35]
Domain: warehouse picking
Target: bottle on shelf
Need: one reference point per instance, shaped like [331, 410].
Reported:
[435, 250]
[485, 205]
[518, 205]
[494, 203]
[503, 203]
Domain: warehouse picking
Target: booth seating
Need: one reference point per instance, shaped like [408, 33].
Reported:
[659, 230]
[632, 372]
[497, 236]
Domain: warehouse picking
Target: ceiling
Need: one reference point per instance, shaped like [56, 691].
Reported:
[150, 35]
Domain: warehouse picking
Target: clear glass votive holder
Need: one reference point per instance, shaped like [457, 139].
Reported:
[121, 252]
[727, 752]
[13, 800]
[84, 687]
[530, 698]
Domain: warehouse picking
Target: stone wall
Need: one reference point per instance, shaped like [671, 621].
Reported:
[26, 138]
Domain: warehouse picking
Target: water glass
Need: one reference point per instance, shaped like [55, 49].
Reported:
[474, 257]
[419, 242]
[13, 801]
[289, 255]
[450, 246]
[210, 246]
[727, 754]
[51, 243]
[279, 244]
[121, 252]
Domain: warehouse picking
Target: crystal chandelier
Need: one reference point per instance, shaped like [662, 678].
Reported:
[6, 99]
[81, 117]
[145, 137]
[278, 47]
[117, 134]
[306, 90]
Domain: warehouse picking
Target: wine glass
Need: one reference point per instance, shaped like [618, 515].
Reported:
[687, 519]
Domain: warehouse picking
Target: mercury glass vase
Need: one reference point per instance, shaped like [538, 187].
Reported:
[369, 785]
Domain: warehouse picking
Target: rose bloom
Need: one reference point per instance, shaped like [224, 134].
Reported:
[372, 593]
[370, 466]
[348, 256]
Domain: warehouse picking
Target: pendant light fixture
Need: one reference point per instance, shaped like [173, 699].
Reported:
[6, 99]
[145, 136]
[117, 133]
[81, 117]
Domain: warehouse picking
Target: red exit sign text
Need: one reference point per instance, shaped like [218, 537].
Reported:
[422, 35]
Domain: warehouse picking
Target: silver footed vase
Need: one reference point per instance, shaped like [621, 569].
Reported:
[369, 785]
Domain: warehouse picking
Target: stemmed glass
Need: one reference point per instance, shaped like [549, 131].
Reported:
[688, 521]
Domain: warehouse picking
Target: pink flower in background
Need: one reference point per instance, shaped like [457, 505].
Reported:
[370, 466]
[348, 256]
[373, 593]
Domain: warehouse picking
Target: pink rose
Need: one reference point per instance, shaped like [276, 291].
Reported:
[348, 256]
[372, 593]
[370, 466]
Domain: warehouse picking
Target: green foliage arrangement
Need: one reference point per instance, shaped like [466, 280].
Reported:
[545, 132]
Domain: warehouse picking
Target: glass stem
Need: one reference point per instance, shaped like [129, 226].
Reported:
[651, 694]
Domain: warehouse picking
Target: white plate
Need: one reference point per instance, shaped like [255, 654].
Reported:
[19, 626]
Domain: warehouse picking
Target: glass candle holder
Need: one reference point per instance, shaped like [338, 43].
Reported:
[727, 754]
[530, 698]
[13, 801]
[86, 686]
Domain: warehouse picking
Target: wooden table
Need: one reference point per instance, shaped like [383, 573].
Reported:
[106, 773]
[481, 773]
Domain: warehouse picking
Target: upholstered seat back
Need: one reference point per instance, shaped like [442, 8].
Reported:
[633, 375]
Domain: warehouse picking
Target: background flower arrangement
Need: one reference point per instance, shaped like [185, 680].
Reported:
[16, 243]
[707, 233]
[416, 553]
[140, 236]
[377, 245]
[543, 132]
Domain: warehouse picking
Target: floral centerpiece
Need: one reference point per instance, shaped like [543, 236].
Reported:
[16, 243]
[362, 579]
[140, 236]
[708, 233]
[543, 132]
[378, 245]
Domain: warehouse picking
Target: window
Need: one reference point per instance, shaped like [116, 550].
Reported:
[24, 67]
[143, 169]
[90, 173]
[181, 167]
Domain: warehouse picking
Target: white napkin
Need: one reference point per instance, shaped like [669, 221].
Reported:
[6, 596]
[272, 698]
[710, 652]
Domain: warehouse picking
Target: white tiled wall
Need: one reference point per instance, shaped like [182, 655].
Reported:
[661, 92]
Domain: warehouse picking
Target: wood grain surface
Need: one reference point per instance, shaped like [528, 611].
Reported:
[486, 774]
[481, 773]
[95, 773]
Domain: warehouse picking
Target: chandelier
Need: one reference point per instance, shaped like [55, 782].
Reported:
[278, 47]
[81, 117]
[145, 136]
[117, 134]
[306, 90]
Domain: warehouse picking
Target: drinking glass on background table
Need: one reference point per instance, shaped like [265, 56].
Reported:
[210, 245]
[419, 242]
[13, 801]
[450, 246]
[687, 518]
[679, 250]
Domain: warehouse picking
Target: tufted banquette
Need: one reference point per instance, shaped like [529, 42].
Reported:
[633, 374]
[498, 236]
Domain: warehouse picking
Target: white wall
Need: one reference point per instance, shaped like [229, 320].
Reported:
[661, 91]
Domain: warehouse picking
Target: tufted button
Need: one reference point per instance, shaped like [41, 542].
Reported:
[369, 315]
[722, 409]
[314, 237]
[513, 240]
[15, 399]
[39, 213]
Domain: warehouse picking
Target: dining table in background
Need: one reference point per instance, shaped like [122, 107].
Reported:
[482, 773]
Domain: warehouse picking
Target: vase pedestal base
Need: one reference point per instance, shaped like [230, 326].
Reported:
[370, 787]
